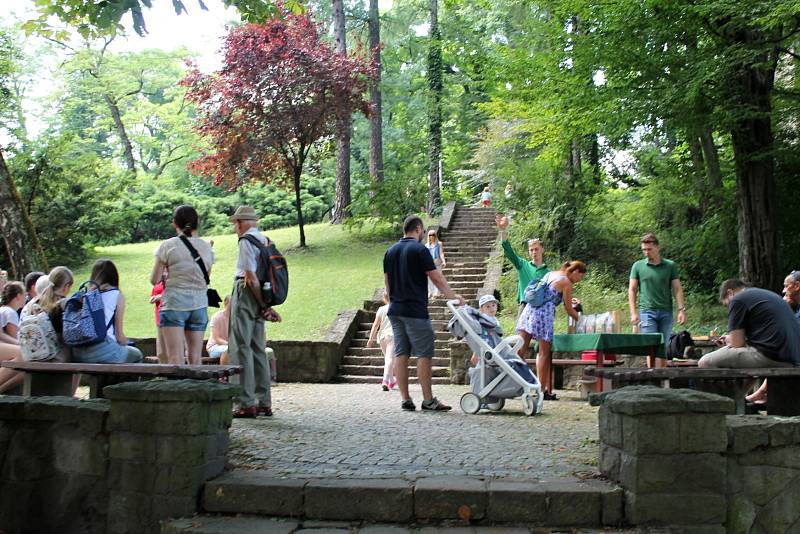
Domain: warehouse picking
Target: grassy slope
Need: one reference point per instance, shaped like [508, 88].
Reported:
[337, 271]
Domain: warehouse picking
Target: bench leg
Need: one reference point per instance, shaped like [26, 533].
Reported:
[782, 398]
[47, 384]
[98, 382]
[733, 389]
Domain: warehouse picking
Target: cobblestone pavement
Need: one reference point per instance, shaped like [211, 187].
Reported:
[357, 430]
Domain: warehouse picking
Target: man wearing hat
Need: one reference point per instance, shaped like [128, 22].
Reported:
[246, 336]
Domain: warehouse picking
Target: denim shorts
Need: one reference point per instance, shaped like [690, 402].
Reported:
[655, 322]
[194, 320]
[412, 336]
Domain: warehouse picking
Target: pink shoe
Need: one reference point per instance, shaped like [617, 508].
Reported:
[392, 384]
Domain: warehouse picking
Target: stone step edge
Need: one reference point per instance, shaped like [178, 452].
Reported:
[590, 503]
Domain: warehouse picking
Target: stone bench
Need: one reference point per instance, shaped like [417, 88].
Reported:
[782, 398]
[56, 379]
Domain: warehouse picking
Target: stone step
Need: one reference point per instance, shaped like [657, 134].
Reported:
[371, 379]
[377, 370]
[440, 333]
[362, 343]
[578, 503]
[375, 352]
[378, 360]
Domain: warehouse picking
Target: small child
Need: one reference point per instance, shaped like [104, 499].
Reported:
[217, 345]
[486, 197]
[383, 327]
[487, 305]
[509, 189]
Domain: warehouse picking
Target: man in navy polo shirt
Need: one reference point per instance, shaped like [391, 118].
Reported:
[407, 265]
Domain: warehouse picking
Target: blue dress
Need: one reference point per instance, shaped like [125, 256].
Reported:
[538, 321]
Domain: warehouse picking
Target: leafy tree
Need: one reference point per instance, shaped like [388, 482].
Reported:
[276, 96]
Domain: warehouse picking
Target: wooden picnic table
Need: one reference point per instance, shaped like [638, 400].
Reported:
[782, 397]
[55, 378]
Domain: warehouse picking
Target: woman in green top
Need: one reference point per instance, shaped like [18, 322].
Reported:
[526, 270]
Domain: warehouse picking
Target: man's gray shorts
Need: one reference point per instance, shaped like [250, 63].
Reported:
[412, 336]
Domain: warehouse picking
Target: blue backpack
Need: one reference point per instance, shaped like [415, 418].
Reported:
[535, 292]
[84, 317]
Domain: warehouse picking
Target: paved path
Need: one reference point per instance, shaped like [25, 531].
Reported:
[357, 430]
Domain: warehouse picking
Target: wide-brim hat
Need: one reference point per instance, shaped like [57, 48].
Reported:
[244, 213]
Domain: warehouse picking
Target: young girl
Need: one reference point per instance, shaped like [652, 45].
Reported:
[11, 300]
[436, 248]
[536, 322]
[114, 348]
[383, 327]
[486, 197]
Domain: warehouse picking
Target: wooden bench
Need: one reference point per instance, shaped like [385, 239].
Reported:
[51, 378]
[558, 366]
[782, 396]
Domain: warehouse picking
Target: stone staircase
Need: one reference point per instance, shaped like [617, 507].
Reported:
[468, 242]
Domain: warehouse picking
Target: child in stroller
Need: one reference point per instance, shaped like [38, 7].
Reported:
[500, 373]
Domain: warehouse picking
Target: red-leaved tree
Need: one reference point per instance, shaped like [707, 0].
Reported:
[276, 95]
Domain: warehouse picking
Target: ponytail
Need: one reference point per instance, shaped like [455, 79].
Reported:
[186, 219]
[570, 267]
[59, 278]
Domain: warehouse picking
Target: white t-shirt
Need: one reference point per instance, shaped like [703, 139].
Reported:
[385, 329]
[8, 316]
[248, 253]
[110, 299]
[185, 289]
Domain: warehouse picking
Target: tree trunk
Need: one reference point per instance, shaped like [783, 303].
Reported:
[752, 139]
[298, 171]
[712, 160]
[699, 171]
[594, 157]
[375, 118]
[341, 210]
[22, 244]
[434, 109]
[127, 148]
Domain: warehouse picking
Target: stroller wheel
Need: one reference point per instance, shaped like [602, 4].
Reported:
[470, 403]
[497, 405]
[528, 404]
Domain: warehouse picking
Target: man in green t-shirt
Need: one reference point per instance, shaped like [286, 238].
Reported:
[655, 279]
[526, 270]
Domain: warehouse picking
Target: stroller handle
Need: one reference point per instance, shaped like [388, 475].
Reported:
[452, 304]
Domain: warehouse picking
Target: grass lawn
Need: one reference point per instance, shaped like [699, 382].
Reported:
[336, 272]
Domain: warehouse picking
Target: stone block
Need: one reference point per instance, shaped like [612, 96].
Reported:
[130, 476]
[131, 416]
[29, 455]
[184, 450]
[610, 461]
[781, 513]
[650, 434]
[441, 497]
[674, 508]
[679, 473]
[75, 452]
[171, 506]
[610, 427]
[12, 407]
[783, 432]
[517, 502]
[179, 480]
[741, 514]
[573, 504]
[128, 512]
[763, 483]
[244, 492]
[642, 400]
[368, 499]
[132, 446]
[778, 457]
[704, 432]
[746, 432]
[180, 391]
[88, 415]
[229, 525]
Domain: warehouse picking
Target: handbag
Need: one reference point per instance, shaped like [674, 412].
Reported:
[211, 293]
[535, 292]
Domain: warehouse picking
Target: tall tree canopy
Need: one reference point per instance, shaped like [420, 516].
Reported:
[275, 97]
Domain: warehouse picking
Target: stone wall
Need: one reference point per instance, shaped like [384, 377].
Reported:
[763, 462]
[116, 465]
[685, 462]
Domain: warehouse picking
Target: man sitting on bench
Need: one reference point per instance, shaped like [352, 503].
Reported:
[762, 330]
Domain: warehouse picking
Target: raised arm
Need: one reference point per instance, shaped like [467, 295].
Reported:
[502, 225]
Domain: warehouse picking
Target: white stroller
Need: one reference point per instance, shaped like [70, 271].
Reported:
[495, 378]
